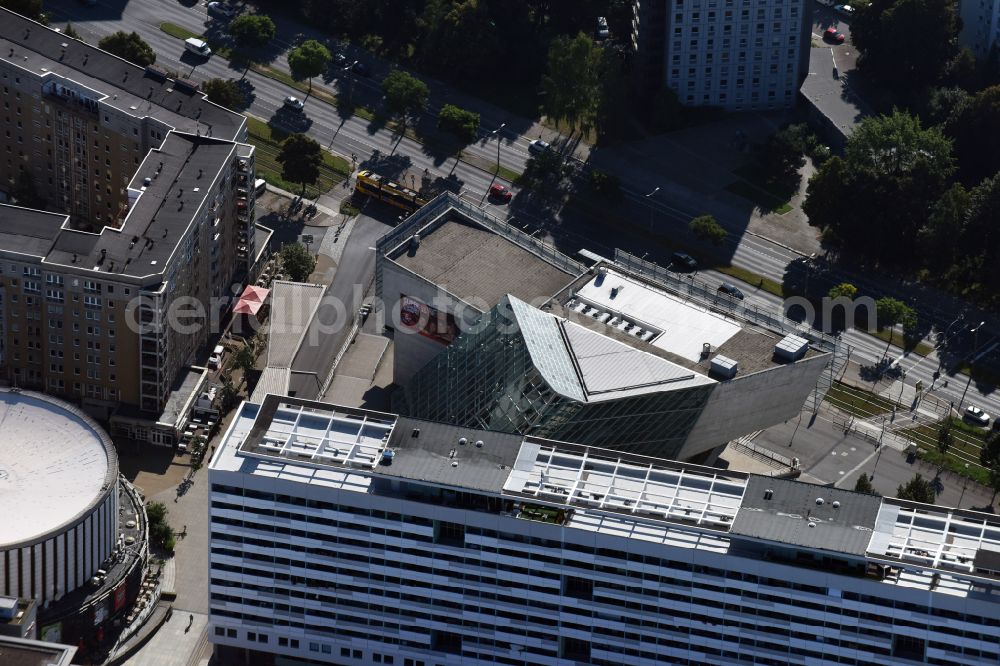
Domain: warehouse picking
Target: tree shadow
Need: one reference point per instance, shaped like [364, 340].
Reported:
[389, 166]
[291, 122]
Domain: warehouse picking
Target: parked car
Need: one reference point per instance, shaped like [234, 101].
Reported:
[602, 28]
[831, 35]
[845, 10]
[294, 103]
[359, 68]
[197, 46]
[730, 289]
[500, 192]
[683, 261]
[215, 360]
[976, 415]
[537, 146]
[221, 10]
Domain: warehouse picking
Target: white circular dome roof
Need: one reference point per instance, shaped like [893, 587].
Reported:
[54, 465]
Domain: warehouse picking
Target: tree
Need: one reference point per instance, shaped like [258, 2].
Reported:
[463, 124]
[843, 290]
[307, 60]
[883, 34]
[891, 165]
[300, 159]
[228, 396]
[71, 32]
[244, 360]
[545, 173]
[29, 8]
[252, 31]
[917, 489]
[297, 262]
[405, 94]
[160, 532]
[606, 185]
[460, 39]
[224, 92]
[945, 440]
[864, 485]
[938, 241]
[891, 311]
[975, 128]
[156, 512]
[571, 81]
[784, 154]
[705, 228]
[989, 457]
[129, 46]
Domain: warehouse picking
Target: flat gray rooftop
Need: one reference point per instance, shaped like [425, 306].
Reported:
[158, 218]
[790, 514]
[27, 231]
[128, 87]
[480, 266]
[428, 451]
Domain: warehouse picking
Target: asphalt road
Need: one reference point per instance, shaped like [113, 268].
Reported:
[392, 154]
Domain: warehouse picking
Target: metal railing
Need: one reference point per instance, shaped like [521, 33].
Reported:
[693, 289]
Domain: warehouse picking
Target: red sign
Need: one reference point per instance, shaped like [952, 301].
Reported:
[427, 321]
[120, 596]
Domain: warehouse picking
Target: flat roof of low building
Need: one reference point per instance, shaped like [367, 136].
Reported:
[137, 91]
[26, 652]
[478, 265]
[55, 463]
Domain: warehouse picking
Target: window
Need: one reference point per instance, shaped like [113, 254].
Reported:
[220, 631]
[345, 652]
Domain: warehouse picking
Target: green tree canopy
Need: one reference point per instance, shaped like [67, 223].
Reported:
[545, 173]
[885, 33]
[252, 31]
[405, 94]
[300, 159]
[891, 311]
[864, 485]
[784, 153]
[893, 171]
[705, 228]
[129, 46]
[917, 489]
[224, 92]
[843, 290]
[297, 262]
[463, 124]
[460, 39]
[307, 60]
[975, 127]
[571, 81]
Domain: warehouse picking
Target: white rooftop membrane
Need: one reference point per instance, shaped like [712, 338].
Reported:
[53, 465]
[685, 327]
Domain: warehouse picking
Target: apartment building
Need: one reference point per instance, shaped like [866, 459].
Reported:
[980, 26]
[346, 536]
[733, 54]
[148, 202]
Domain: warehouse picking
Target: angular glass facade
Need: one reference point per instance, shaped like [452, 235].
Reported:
[511, 373]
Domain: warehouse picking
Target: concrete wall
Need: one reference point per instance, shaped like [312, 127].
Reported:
[754, 402]
[411, 351]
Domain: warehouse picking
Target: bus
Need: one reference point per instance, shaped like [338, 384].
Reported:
[370, 184]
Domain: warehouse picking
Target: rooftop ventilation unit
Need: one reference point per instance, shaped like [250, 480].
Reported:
[723, 366]
[791, 348]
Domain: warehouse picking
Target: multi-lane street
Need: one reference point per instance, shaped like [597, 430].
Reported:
[392, 154]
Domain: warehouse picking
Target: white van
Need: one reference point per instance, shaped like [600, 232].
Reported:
[259, 187]
[197, 46]
[215, 360]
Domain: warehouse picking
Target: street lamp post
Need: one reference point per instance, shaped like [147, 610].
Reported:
[650, 204]
[972, 359]
[496, 133]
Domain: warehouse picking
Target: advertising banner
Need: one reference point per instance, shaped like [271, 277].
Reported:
[427, 321]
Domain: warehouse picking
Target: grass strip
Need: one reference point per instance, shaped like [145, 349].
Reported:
[856, 401]
[268, 140]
